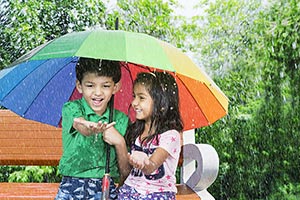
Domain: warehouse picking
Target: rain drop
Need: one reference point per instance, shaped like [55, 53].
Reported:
[96, 138]
[294, 45]
[193, 122]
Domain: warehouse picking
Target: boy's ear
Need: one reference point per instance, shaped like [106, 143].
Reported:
[78, 87]
[117, 87]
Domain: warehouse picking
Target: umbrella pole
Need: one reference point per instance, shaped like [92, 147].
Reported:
[106, 177]
[117, 24]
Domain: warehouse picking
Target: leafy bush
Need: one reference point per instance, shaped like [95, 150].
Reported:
[29, 174]
[289, 191]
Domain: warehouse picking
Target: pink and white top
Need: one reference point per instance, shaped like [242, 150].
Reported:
[163, 179]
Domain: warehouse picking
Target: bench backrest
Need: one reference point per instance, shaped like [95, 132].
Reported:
[25, 142]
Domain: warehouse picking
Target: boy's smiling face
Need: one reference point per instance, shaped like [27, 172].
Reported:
[97, 91]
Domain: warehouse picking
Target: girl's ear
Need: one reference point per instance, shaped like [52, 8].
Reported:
[78, 87]
[117, 87]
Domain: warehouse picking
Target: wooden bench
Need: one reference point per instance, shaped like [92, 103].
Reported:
[25, 142]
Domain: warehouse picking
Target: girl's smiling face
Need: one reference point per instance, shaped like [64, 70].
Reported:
[142, 103]
[97, 91]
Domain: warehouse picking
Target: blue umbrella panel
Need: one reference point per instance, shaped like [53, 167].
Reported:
[33, 89]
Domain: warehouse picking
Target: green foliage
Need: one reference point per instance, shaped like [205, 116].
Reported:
[35, 174]
[29, 174]
[148, 16]
[280, 112]
[5, 172]
[287, 192]
[252, 52]
[27, 24]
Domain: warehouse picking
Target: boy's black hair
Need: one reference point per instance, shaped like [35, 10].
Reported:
[163, 89]
[101, 67]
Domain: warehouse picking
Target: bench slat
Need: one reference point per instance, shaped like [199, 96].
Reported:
[31, 151]
[30, 142]
[14, 191]
[23, 134]
[37, 191]
[27, 126]
[37, 161]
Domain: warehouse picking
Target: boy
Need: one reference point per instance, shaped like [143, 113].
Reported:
[85, 129]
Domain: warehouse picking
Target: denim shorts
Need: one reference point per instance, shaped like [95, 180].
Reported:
[83, 188]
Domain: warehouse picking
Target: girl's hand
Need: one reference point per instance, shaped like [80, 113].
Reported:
[148, 165]
[138, 159]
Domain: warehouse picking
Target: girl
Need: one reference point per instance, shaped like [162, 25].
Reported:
[154, 138]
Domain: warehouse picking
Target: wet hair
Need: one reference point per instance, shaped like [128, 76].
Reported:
[163, 90]
[100, 67]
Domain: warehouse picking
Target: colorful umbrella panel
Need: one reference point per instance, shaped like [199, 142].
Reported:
[38, 84]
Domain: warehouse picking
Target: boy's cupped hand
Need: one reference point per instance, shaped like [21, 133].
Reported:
[89, 128]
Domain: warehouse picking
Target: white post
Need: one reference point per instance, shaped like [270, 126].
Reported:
[200, 165]
[188, 168]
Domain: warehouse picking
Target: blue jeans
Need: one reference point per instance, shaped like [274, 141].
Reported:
[72, 188]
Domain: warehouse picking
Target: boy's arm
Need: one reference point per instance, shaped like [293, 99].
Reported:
[113, 137]
[124, 166]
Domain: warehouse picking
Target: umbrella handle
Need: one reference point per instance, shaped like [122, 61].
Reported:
[105, 187]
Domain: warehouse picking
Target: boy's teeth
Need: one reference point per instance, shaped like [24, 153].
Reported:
[97, 101]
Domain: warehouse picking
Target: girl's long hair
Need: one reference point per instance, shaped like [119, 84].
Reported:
[163, 89]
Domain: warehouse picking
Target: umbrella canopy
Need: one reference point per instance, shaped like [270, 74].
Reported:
[38, 84]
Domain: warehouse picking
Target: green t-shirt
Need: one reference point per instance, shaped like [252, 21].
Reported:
[85, 156]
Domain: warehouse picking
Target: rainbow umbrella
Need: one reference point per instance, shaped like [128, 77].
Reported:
[38, 84]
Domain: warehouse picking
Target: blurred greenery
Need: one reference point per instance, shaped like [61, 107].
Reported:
[249, 47]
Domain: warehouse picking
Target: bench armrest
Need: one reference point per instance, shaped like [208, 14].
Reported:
[201, 175]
